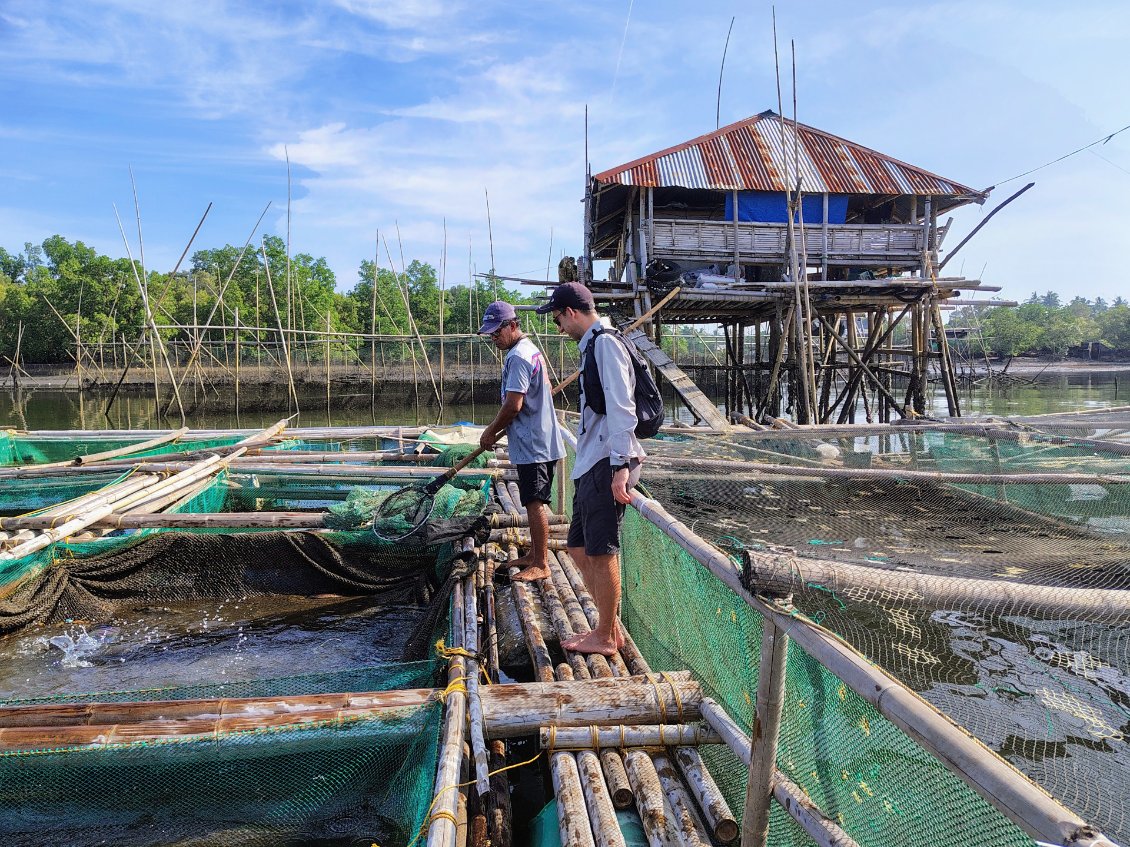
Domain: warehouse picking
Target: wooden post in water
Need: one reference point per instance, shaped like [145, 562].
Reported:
[236, 343]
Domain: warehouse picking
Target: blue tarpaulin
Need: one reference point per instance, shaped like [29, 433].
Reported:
[772, 207]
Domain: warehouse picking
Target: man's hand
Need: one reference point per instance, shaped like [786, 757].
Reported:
[620, 486]
[487, 439]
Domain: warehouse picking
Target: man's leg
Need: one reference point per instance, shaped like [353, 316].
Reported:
[535, 563]
[602, 579]
[535, 483]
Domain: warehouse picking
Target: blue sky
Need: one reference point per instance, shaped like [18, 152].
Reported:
[402, 113]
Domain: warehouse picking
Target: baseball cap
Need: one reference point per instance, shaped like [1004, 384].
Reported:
[497, 313]
[568, 295]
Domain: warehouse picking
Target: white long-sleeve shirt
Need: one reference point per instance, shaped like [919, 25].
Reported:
[611, 435]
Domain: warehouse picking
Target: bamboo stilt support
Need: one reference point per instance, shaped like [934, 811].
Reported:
[767, 727]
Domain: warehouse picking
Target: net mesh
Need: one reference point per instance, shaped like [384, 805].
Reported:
[348, 778]
[1046, 688]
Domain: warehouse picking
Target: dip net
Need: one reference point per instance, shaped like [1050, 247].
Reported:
[346, 756]
[998, 590]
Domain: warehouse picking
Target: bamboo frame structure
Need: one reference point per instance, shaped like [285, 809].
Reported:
[998, 782]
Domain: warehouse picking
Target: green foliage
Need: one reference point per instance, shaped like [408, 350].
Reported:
[62, 289]
[1041, 325]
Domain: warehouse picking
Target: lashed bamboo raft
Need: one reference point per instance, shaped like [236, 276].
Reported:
[614, 732]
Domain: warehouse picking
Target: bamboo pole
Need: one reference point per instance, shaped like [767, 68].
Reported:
[601, 737]
[475, 706]
[441, 823]
[70, 527]
[522, 709]
[278, 320]
[754, 468]
[655, 813]
[719, 819]
[210, 712]
[539, 652]
[572, 819]
[1023, 802]
[771, 684]
[601, 809]
[686, 819]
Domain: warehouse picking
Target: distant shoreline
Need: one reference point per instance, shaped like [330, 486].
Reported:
[1030, 366]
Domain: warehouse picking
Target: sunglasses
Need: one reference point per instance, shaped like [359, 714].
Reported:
[499, 331]
[557, 318]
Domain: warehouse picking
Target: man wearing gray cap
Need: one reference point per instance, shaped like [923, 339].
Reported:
[608, 461]
[527, 419]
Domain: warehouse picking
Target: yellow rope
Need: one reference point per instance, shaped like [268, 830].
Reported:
[675, 694]
[654, 680]
[455, 685]
[431, 817]
[445, 652]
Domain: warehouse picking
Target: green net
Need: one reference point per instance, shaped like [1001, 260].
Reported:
[1043, 686]
[341, 780]
[335, 779]
[17, 449]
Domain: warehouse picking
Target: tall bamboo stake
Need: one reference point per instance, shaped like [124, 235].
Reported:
[282, 334]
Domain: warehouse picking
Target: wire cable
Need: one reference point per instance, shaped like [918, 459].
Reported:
[1102, 140]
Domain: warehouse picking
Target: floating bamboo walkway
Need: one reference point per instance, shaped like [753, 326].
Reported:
[614, 733]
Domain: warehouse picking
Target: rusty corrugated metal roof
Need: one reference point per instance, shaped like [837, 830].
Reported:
[765, 153]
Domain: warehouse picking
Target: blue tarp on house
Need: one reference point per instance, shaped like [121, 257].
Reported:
[772, 207]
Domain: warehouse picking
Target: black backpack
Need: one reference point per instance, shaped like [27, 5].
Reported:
[649, 403]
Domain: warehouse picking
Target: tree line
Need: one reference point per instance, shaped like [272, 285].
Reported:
[63, 293]
[1043, 325]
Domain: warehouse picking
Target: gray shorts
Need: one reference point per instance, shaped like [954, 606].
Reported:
[596, 514]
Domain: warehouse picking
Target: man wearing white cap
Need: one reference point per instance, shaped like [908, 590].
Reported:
[527, 419]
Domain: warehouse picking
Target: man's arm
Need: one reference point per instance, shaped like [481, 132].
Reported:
[618, 380]
[511, 406]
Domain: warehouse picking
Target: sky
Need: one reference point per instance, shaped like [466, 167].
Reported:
[400, 119]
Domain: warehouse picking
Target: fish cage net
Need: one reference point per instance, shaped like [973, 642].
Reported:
[1001, 600]
[290, 771]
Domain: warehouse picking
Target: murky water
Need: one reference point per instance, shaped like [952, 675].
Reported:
[62, 409]
[203, 643]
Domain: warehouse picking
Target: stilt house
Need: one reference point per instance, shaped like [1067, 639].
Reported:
[809, 250]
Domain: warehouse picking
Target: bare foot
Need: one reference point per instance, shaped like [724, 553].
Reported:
[524, 561]
[590, 642]
[530, 574]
